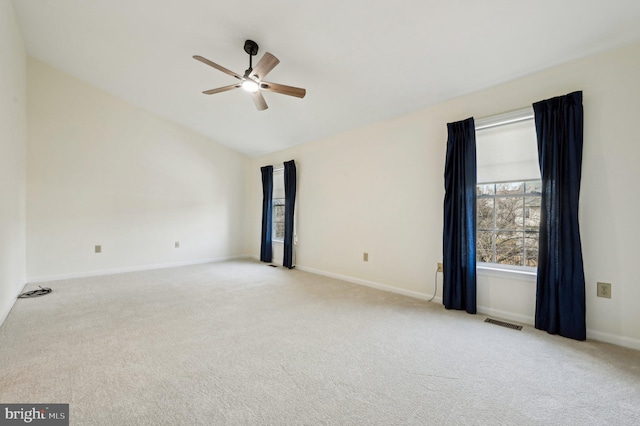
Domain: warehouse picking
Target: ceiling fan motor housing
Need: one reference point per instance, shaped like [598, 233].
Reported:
[251, 47]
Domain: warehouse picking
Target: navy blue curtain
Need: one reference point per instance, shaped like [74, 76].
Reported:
[459, 237]
[289, 208]
[266, 252]
[560, 294]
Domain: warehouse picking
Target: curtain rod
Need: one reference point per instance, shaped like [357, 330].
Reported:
[277, 169]
[505, 118]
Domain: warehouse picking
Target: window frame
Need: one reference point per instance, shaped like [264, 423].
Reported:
[501, 268]
[277, 202]
[518, 273]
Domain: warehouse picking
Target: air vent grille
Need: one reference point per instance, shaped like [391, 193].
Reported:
[504, 324]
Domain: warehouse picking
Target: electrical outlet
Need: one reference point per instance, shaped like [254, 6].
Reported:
[365, 257]
[604, 290]
[439, 266]
[98, 249]
[177, 244]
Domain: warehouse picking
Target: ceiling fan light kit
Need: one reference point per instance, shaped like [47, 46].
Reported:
[252, 80]
[250, 86]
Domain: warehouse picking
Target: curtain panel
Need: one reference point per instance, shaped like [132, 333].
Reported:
[459, 235]
[266, 251]
[289, 209]
[560, 291]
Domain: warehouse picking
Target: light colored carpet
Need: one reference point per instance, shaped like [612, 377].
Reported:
[243, 343]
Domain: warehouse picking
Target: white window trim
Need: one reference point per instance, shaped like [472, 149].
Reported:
[523, 273]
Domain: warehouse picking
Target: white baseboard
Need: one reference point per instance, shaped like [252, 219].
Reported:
[623, 341]
[6, 309]
[511, 316]
[372, 284]
[627, 342]
[111, 271]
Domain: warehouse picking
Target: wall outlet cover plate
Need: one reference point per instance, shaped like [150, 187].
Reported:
[604, 290]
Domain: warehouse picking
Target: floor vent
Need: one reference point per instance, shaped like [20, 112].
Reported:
[504, 324]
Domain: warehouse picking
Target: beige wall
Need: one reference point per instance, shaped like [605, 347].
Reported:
[379, 189]
[102, 171]
[13, 138]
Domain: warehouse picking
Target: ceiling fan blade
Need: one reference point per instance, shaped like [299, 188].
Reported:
[258, 99]
[264, 66]
[222, 89]
[216, 66]
[282, 89]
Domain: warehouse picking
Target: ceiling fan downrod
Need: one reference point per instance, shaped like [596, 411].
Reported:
[251, 47]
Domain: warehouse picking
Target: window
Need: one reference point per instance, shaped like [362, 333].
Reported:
[508, 220]
[277, 213]
[278, 219]
[508, 191]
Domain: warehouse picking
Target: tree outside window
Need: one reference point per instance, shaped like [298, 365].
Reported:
[278, 219]
[508, 221]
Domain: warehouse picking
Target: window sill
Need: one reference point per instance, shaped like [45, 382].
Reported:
[501, 271]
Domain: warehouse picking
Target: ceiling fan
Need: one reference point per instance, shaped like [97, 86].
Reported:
[252, 80]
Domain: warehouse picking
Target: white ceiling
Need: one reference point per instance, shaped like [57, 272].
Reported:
[360, 60]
